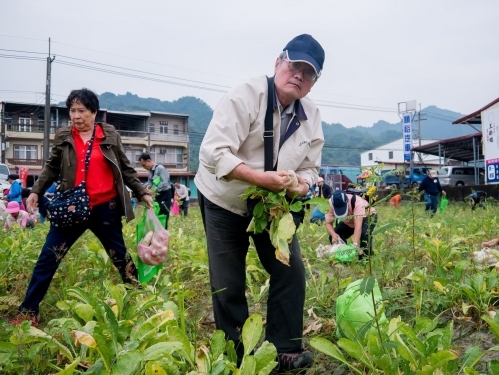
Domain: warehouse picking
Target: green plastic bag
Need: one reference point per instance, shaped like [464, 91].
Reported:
[346, 254]
[156, 181]
[147, 272]
[356, 310]
[444, 202]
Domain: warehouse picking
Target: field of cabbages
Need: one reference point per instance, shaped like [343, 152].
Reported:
[438, 303]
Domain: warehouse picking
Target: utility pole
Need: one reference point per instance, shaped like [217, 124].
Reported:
[419, 124]
[3, 145]
[46, 133]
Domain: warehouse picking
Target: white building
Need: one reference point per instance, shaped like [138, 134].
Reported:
[392, 156]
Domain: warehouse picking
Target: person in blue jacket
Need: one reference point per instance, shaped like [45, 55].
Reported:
[45, 200]
[15, 189]
[432, 188]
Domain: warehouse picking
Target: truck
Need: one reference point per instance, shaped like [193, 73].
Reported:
[412, 177]
[339, 176]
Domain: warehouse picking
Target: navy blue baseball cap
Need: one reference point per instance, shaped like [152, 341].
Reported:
[340, 204]
[305, 48]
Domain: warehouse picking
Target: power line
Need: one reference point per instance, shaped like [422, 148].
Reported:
[355, 108]
[15, 50]
[146, 61]
[21, 57]
[440, 115]
[319, 102]
[141, 71]
[130, 75]
[21, 37]
[358, 105]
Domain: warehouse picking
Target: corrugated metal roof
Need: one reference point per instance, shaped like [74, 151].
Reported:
[459, 148]
[475, 117]
[169, 114]
[143, 114]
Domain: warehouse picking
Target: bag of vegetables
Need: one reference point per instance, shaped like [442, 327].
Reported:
[152, 245]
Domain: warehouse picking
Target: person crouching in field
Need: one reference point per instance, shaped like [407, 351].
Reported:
[478, 198]
[395, 200]
[17, 216]
[356, 221]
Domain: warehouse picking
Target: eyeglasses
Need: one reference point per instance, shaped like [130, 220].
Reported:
[297, 66]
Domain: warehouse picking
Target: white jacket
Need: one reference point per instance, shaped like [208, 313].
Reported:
[235, 136]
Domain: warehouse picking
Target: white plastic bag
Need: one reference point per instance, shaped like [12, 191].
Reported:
[329, 250]
[485, 257]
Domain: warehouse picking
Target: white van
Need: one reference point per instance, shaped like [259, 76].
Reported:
[460, 176]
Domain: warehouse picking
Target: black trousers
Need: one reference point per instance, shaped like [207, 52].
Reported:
[228, 244]
[164, 198]
[185, 206]
[105, 223]
[366, 238]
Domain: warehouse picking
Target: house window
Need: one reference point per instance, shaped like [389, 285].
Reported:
[390, 154]
[133, 156]
[24, 152]
[180, 156]
[151, 127]
[172, 156]
[370, 156]
[175, 129]
[163, 129]
[163, 122]
[24, 124]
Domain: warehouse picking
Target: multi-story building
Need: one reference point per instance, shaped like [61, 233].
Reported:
[392, 156]
[164, 135]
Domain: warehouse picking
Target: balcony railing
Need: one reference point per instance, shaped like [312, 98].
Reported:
[38, 162]
[154, 136]
[131, 133]
[169, 137]
[15, 161]
[166, 165]
[124, 133]
[29, 128]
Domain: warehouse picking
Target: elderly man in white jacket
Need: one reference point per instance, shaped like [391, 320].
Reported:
[231, 159]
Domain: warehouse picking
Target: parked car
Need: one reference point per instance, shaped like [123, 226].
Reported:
[413, 177]
[4, 185]
[460, 176]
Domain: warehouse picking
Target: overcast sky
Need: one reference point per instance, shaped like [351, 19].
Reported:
[378, 52]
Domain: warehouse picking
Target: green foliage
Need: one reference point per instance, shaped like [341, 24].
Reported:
[273, 213]
[440, 303]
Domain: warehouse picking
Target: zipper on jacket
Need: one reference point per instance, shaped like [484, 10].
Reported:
[121, 177]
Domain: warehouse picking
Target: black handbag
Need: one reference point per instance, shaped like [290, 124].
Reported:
[72, 206]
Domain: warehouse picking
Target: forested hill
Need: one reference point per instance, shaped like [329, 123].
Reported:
[342, 145]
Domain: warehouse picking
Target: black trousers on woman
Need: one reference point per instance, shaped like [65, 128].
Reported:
[105, 223]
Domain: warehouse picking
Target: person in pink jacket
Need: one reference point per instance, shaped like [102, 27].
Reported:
[16, 216]
[349, 215]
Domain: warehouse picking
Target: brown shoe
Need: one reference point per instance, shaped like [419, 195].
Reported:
[21, 317]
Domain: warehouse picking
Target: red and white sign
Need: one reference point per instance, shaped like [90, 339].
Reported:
[23, 176]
